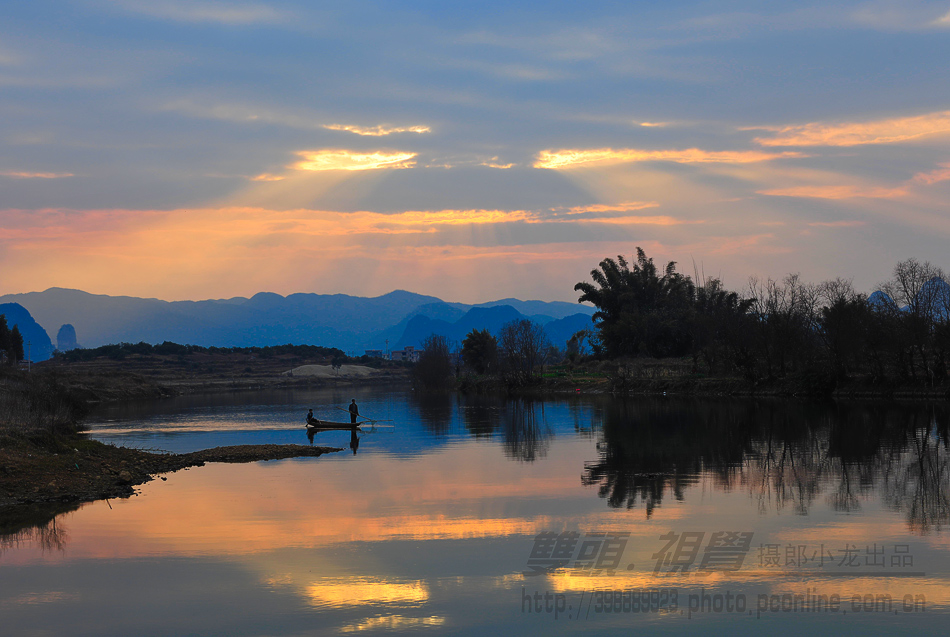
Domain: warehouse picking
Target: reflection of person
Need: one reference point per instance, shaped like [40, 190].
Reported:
[354, 441]
[354, 412]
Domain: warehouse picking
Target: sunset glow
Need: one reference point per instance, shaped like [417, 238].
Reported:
[203, 139]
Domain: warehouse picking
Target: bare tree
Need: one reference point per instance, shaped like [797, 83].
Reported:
[522, 345]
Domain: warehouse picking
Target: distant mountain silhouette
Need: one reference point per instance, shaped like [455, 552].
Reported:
[36, 342]
[934, 294]
[66, 338]
[491, 318]
[351, 323]
[880, 300]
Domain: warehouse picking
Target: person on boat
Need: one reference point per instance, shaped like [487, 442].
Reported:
[310, 419]
[354, 412]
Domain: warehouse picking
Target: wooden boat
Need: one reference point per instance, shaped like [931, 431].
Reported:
[314, 423]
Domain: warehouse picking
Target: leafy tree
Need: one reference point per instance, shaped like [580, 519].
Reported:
[480, 351]
[639, 309]
[16, 343]
[434, 370]
[5, 337]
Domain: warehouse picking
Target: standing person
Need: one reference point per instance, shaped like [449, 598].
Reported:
[354, 412]
[310, 419]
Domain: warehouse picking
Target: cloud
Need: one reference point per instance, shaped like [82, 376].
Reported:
[835, 192]
[493, 163]
[377, 131]
[884, 131]
[15, 174]
[659, 220]
[267, 177]
[557, 159]
[836, 224]
[242, 113]
[618, 207]
[228, 13]
[317, 160]
[933, 177]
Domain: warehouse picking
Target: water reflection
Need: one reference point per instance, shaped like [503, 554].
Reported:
[526, 431]
[37, 524]
[787, 455]
[429, 528]
[435, 410]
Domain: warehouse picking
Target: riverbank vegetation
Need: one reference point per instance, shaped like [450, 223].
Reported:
[775, 329]
[657, 329]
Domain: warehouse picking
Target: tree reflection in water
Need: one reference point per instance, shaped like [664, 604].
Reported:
[521, 423]
[786, 454]
[38, 524]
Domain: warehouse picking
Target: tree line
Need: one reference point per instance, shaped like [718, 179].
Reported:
[516, 357]
[774, 328]
[120, 351]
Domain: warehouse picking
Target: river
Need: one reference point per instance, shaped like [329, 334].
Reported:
[484, 515]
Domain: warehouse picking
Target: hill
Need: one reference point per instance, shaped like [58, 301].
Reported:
[350, 323]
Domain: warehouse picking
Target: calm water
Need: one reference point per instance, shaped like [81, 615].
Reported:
[478, 515]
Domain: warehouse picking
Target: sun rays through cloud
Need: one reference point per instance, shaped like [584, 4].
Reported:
[292, 132]
[351, 160]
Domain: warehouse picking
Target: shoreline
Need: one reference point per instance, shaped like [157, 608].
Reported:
[804, 387]
[71, 468]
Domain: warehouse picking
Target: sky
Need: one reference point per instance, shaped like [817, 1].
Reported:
[473, 151]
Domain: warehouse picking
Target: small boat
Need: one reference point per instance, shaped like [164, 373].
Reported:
[314, 423]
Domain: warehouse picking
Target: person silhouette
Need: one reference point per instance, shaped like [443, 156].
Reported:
[354, 412]
[310, 419]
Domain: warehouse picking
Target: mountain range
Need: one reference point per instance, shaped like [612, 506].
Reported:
[350, 323]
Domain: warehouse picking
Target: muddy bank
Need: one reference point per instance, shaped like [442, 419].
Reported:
[76, 469]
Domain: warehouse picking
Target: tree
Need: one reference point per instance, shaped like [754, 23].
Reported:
[16, 343]
[434, 370]
[5, 338]
[576, 347]
[715, 324]
[639, 310]
[843, 324]
[480, 351]
[916, 288]
[522, 345]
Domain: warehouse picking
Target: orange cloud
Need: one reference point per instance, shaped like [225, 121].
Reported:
[15, 174]
[267, 177]
[318, 160]
[377, 131]
[933, 177]
[885, 131]
[835, 192]
[619, 207]
[558, 159]
[493, 163]
[660, 220]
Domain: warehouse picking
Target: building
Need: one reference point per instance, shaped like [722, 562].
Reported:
[410, 354]
[374, 353]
